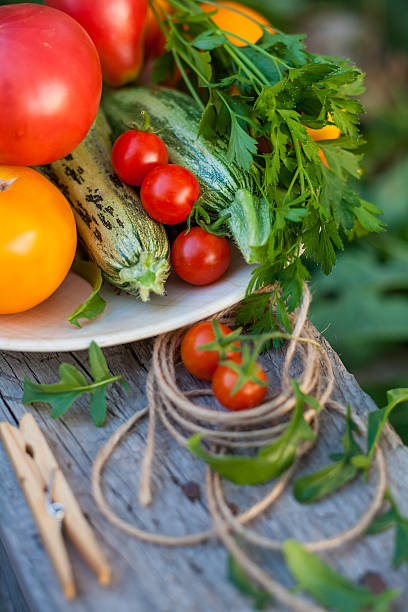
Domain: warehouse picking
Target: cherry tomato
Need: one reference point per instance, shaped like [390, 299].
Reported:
[135, 153]
[50, 83]
[240, 24]
[200, 258]
[199, 363]
[37, 238]
[117, 29]
[250, 394]
[168, 193]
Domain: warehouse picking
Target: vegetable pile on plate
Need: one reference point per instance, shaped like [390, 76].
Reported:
[232, 132]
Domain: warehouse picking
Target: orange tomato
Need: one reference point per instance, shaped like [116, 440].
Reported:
[236, 23]
[328, 132]
[37, 238]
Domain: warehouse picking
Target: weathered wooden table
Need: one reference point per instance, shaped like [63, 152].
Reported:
[161, 579]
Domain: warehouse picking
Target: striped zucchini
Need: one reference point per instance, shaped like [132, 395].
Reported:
[131, 249]
[227, 192]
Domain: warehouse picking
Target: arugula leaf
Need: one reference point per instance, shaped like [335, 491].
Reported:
[62, 394]
[329, 588]
[244, 585]
[270, 461]
[393, 518]
[314, 487]
[95, 304]
[378, 418]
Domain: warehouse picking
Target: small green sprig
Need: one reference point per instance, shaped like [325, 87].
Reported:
[393, 518]
[271, 461]
[73, 384]
[326, 481]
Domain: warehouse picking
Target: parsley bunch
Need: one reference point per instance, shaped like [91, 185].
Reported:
[261, 97]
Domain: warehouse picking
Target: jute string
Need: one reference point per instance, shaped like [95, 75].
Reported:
[226, 431]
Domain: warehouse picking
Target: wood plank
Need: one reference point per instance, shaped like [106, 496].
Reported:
[152, 578]
[11, 597]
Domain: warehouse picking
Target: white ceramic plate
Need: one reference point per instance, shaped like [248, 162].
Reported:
[45, 327]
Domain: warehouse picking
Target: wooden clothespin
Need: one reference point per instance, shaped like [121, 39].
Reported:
[51, 499]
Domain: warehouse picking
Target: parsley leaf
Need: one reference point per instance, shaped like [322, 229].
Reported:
[270, 461]
[329, 588]
[62, 394]
[95, 304]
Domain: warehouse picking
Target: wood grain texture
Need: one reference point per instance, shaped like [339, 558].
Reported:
[160, 579]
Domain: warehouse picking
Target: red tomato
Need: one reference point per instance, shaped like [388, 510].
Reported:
[135, 153]
[117, 29]
[199, 363]
[50, 83]
[200, 258]
[155, 40]
[250, 394]
[168, 193]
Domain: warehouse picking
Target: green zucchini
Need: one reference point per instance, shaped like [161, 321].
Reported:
[131, 249]
[227, 191]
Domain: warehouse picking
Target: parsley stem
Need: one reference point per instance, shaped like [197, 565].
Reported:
[187, 80]
[250, 68]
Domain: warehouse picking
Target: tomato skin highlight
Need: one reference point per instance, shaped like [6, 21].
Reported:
[201, 364]
[37, 239]
[50, 81]
[168, 193]
[250, 394]
[135, 153]
[117, 29]
[200, 258]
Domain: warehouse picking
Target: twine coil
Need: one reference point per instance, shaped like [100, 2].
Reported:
[258, 427]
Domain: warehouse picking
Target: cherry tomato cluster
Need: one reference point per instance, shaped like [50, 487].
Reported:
[168, 193]
[220, 360]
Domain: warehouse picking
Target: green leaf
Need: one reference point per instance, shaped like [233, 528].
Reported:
[314, 487]
[72, 384]
[95, 304]
[328, 587]
[98, 406]
[378, 419]
[382, 522]
[270, 461]
[97, 362]
[388, 519]
[244, 585]
[241, 146]
[209, 40]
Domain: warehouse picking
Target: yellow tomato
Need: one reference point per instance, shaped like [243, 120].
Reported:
[236, 23]
[37, 238]
[328, 132]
